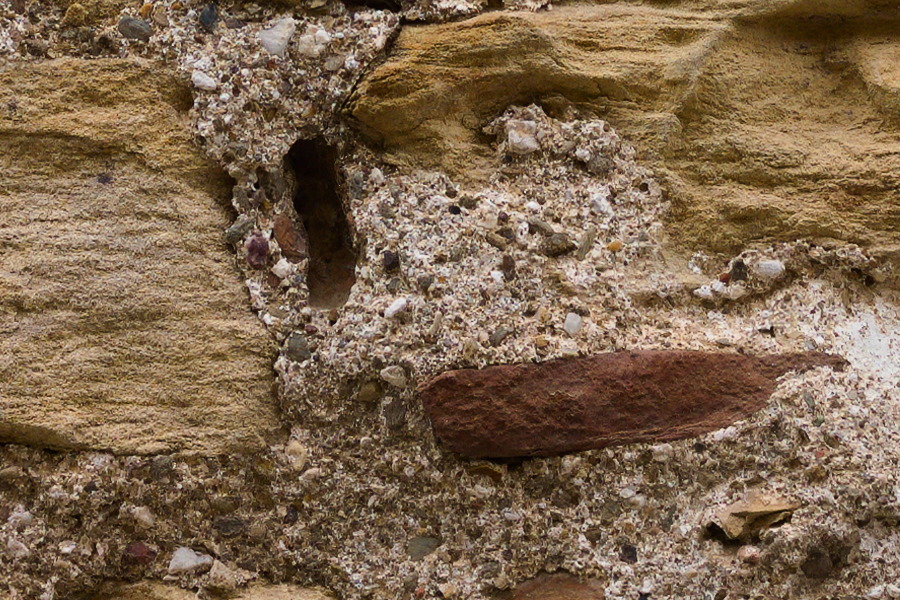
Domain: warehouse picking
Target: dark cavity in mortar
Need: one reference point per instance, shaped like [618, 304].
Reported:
[318, 202]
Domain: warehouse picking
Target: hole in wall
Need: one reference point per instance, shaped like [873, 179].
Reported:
[318, 202]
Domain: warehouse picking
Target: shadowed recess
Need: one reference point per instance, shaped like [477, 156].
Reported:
[332, 257]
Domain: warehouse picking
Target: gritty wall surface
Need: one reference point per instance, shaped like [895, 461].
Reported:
[405, 209]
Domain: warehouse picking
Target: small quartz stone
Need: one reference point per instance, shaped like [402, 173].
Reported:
[282, 269]
[203, 81]
[573, 323]
[275, 39]
[20, 520]
[769, 269]
[397, 306]
[144, 516]
[520, 137]
[186, 561]
[135, 29]
[394, 375]
[17, 549]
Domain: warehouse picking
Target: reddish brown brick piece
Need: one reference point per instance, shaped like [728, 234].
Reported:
[568, 405]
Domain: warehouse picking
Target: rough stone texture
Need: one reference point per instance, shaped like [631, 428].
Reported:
[342, 511]
[122, 314]
[160, 591]
[558, 586]
[761, 119]
[593, 402]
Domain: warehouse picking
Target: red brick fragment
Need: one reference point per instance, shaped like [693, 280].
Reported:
[575, 404]
[290, 239]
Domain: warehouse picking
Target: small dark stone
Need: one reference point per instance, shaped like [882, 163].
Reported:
[420, 547]
[297, 348]
[628, 553]
[138, 553]
[454, 209]
[503, 218]
[395, 285]
[235, 23]
[36, 47]
[257, 248]
[161, 467]
[229, 526]
[135, 29]
[208, 17]
[425, 282]
[395, 414]
[91, 487]
[291, 516]
[644, 187]
[817, 564]
[104, 178]
[240, 228]
[508, 267]
[391, 261]
[558, 244]
[499, 335]
[467, 201]
[738, 271]
[451, 192]
[507, 233]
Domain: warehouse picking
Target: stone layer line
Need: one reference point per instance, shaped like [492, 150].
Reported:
[575, 404]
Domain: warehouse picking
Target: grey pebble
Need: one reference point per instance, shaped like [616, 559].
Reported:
[135, 29]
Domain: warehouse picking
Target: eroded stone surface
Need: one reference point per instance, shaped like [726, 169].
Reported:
[597, 401]
[122, 314]
[708, 94]
[558, 586]
[160, 591]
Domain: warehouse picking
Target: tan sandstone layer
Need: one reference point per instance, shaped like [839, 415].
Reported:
[763, 122]
[124, 321]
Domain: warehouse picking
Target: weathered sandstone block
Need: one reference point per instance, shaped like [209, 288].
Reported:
[123, 319]
[576, 404]
[761, 120]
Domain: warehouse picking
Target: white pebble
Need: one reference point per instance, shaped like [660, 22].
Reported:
[573, 323]
[144, 516]
[17, 549]
[282, 269]
[705, 292]
[394, 375]
[769, 269]
[203, 81]
[20, 519]
[67, 547]
[186, 560]
[520, 138]
[735, 291]
[323, 37]
[662, 452]
[275, 39]
[397, 306]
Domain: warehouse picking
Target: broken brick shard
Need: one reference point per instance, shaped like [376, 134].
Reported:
[574, 404]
